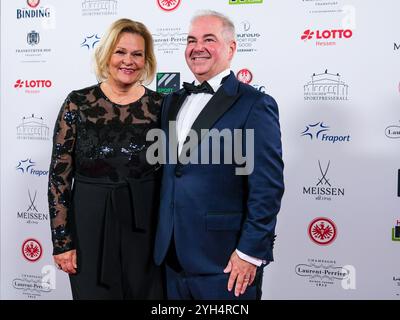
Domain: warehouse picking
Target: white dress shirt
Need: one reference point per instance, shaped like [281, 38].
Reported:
[187, 115]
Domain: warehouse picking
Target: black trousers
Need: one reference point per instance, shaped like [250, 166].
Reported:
[115, 257]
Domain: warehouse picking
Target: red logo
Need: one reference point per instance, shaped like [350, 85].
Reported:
[168, 5]
[32, 84]
[33, 3]
[244, 76]
[32, 250]
[327, 34]
[322, 231]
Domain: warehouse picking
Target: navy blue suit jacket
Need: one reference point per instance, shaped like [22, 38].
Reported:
[208, 209]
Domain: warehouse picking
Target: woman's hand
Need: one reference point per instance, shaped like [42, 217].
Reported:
[66, 261]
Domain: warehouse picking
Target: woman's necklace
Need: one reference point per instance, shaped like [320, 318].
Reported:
[128, 97]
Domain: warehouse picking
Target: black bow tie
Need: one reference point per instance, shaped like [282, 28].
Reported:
[202, 88]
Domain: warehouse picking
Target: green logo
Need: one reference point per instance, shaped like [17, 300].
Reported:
[245, 1]
[167, 82]
[396, 233]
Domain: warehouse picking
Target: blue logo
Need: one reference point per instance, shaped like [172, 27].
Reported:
[24, 165]
[27, 166]
[318, 131]
[90, 41]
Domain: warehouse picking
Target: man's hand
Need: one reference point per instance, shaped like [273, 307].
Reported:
[66, 261]
[242, 272]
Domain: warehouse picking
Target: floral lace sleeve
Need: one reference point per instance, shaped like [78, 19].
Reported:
[60, 176]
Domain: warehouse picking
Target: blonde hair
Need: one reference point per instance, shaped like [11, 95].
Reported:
[108, 42]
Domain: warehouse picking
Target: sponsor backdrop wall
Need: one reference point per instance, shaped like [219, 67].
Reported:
[332, 66]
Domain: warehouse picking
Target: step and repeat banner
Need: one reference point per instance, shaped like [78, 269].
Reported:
[332, 66]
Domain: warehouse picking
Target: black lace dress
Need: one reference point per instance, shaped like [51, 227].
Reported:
[103, 194]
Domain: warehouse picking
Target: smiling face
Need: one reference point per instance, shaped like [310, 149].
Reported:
[127, 60]
[208, 51]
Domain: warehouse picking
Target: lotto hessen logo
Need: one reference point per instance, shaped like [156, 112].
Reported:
[33, 84]
[322, 231]
[168, 5]
[327, 34]
[32, 250]
[326, 37]
[244, 76]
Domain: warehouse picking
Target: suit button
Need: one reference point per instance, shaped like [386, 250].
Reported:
[178, 173]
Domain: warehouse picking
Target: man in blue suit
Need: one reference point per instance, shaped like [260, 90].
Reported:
[217, 227]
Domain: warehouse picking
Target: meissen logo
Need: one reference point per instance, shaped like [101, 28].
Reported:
[318, 130]
[33, 11]
[99, 7]
[323, 189]
[326, 35]
[32, 215]
[326, 86]
[32, 128]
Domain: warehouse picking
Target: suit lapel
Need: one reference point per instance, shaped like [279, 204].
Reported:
[220, 103]
[177, 100]
[214, 109]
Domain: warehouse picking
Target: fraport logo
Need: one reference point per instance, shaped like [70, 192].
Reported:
[27, 166]
[90, 41]
[319, 131]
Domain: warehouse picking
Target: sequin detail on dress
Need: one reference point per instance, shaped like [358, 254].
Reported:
[95, 138]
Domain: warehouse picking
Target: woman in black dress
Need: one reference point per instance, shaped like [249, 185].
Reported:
[103, 194]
